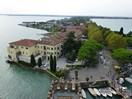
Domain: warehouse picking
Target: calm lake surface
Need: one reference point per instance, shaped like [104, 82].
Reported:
[19, 83]
[115, 24]
[16, 82]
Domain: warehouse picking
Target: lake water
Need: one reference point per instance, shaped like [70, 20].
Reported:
[16, 82]
[19, 83]
[115, 24]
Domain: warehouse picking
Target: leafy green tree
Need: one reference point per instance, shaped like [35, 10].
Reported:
[87, 78]
[129, 34]
[115, 41]
[85, 32]
[88, 51]
[76, 74]
[96, 36]
[94, 32]
[122, 55]
[62, 73]
[129, 42]
[69, 43]
[121, 31]
[32, 60]
[39, 62]
[51, 63]
[54, 65]
[106, 34]
[104, 29]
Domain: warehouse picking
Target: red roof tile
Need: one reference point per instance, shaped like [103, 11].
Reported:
[25, 42]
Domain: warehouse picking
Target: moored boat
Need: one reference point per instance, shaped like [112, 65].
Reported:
[96, 91]
[113, 91]
[108, 92]
[128, 80]
[102, 92]
[83, 94]
[92, 91]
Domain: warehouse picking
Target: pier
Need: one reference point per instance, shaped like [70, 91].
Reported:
[61, 89]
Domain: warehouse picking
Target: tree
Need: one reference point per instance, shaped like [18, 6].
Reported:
[87, 78]
[115, 41]
[94, 32]
[39, 62]
[121, 31]
[69, 43]
[54, 65]
[129, 42]
[51, 63]
[129, 34]
[122, 55]
[88, 51]
[76, 74]
[106, 34]
[32, 60]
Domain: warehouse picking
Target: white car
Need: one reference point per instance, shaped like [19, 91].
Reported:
[46, 64]
[57, 68]
[76, 60]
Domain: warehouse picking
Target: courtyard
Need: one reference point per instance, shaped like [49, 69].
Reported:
[101, 71]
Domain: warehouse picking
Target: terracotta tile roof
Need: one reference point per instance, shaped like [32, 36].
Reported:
[25, 42]
[54, 40]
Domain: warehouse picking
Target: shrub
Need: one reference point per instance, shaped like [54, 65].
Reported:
[87, 78]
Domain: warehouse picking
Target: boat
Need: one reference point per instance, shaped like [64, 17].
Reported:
[96, 91]
[108, 92]
[92, 92]
[102, 92]
[83, 94]
[128, 80]
[121, 80]
[113, 91]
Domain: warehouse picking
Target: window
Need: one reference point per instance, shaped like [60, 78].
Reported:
[51, 48]
[44, 53]
[21, 46]
[41, 47]
[23, 52]
[48, 48]
[11, 46]
[55, 52]
[44, 48]
[26, 47]
[55, 48]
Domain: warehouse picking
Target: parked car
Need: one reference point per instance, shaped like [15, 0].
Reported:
[46, 64]
[69, 61]
[76, 60]
[57, 67]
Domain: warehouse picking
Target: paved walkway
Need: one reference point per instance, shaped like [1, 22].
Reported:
[100, 71]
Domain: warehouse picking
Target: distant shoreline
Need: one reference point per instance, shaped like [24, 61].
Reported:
[91, 17]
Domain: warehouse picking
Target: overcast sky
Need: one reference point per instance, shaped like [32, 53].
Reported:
[68, 7]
